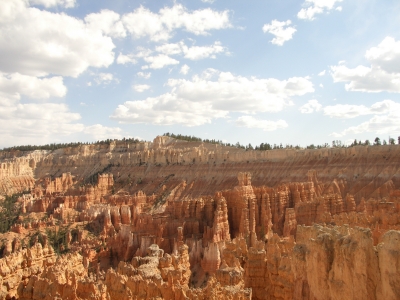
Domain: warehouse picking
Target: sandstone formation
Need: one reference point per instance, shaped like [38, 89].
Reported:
[178, 220]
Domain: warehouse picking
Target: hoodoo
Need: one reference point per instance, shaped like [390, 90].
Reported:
[171, 219]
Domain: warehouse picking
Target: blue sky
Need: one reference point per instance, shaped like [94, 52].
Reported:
[290, 72]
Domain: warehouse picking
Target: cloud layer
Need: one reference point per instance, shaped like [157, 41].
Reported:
[161, 26]
[37, 42]
[282, 31]
[382, 75]
[211, 95]
[266, 125]
[386, 119]
[315, 7]
[310, 107]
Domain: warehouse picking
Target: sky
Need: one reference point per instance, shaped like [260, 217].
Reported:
[268, 71]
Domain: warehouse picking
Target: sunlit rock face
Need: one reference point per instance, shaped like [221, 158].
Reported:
[189, 220]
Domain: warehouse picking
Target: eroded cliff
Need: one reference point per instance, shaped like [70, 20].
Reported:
[179, 220]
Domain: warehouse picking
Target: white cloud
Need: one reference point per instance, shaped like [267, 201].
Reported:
[50, 3]
[33, 123]
[382, 75]
[386, 56]
[346, 111]
[161, 26]
[166, 109]
[100, 132]
[143, 52]
[144, 75]
[170, 49]
[184, 70]
[108, 22]
[14, 85]
[194, 52]
[105, 78]
[321, 85]
[251, 122]
[200, 52]
[386, 119]
[310, 107]
[125, 59]
[212, 95]
[160, 61]
[322, 73]
[36, 123]
[208, 1]
[37, 42]
[282, 31]
[389, 124]
[314, 7]
[364, 79]
[140, 87]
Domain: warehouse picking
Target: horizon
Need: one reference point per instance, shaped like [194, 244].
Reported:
[299, 73]
[246, 147]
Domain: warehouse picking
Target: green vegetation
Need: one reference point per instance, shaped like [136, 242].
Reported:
[267, 146]
[9, 212]
[191, 138]
[58, 239]
[55, 146]
[92, 179]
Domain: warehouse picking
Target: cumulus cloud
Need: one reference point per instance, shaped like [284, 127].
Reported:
[208, 1]
[105, 78]
[200, 52]
[161, 26]
[184, 70]
[166, 110]
[140, 87]
[382, 75]
[386, 55]
[346, 111]
[36, 123]
[251, 122]
[386, 119]
[100, 132]
[37, 42]
[14, 85]
[213, 94]
[126, 59]
[322, 73]
[194, 52]
[159, 61]
[144, 75]
[108, 22]
[314, 7]
[310, 107]
[50, 3]
[282, 31]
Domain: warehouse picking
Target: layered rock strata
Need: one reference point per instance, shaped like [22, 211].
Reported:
[178, 220]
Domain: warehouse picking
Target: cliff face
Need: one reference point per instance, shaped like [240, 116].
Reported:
[211, 168]
[178, 220]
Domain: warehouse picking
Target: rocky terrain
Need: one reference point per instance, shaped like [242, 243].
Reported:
[171, 219]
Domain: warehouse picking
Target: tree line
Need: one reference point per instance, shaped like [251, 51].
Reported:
[55, 146]
[190, 138]
[267, 146]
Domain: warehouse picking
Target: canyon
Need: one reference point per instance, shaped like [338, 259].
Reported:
[172, 219]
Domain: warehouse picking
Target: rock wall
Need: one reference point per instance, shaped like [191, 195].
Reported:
[178, 220]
